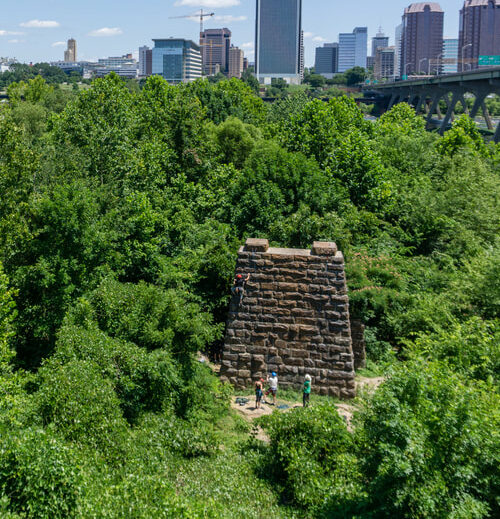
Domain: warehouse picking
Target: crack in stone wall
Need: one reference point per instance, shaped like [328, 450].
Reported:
[294, 319]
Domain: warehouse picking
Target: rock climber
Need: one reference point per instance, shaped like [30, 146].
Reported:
[238, 287]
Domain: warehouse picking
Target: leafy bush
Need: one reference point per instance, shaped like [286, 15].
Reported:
[82, 406]
[429, 446]
[39, 474]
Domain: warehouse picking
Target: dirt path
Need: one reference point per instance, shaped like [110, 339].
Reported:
[250, 412]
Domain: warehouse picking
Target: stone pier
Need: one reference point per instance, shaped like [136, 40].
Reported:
[294, 319]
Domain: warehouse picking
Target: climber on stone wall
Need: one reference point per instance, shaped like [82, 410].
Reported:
[238, 287]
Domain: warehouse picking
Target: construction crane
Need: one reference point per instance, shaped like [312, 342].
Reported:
[201, 14]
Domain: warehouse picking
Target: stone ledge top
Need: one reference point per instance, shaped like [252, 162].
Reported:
[319, 248]
[324, 248]
[256, 245]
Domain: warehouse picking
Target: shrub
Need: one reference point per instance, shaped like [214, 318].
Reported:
[430, 446]
[39, 474]
[82, 406]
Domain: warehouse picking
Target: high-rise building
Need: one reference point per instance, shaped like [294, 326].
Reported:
[422, 37]
[385, 61]
[176, 60]
[327, 60]
[235, 62]
[380, 40]
[278, 27]
[479, 32]
[449, 60]
[145, 61]
[370, 62]
[70, 52]
[215, 45]
[353, 49]
[301, 56]
[398, 36]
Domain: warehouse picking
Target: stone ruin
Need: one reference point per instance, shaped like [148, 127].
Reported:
[294, 319]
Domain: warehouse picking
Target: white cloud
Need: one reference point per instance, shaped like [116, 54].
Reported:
[228, 18]
[308, 34]
[248, 45]
[319, 39]
[106, 31]
[40, 24]
[16, 41]
[208, 3]
[10, 33]
[58, 44]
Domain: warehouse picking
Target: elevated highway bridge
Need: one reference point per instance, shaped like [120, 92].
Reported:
[426, 93]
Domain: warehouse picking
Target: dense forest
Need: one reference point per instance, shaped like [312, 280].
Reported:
[121, 213]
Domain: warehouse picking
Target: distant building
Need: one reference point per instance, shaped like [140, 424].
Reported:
[176, 60]
[380, 40]
[302, 56]
[235, 62]
[449, 60]
[398, 36]
[278, 40]
[245, 64]
[145, 61]
[70, 52]
[352, 49]
[327, 60]
[479, 32]
[385, 63]
[215, 45]
[124, 66]
[370, 62]
[422, 37]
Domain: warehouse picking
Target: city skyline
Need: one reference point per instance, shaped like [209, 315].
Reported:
[38, 31]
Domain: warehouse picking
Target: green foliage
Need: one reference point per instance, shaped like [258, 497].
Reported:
[310, 455]
[430, 446]
[235, 140]
[39, 474]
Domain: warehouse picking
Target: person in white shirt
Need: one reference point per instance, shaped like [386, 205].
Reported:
[273, 385]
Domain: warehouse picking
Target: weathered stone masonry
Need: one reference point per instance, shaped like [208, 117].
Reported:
[294, 319]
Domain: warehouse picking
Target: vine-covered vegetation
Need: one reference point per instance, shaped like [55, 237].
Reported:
[120, 216]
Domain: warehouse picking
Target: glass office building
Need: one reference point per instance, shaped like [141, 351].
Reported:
[353, 49]
[176, 60]
[277, 39]
[449, 63]
[327, 60]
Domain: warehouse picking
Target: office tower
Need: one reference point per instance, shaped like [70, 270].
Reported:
[301, 56]
[235, 62]
[145, 61]
[448, 64]
[370, 62]
[70, 52]
[479, 34]
[245, 64]
[398, 35]
[176, 60]
[352, 49]
[124, 66]
[215, 45]
[385, 61]
[422, 37]
[380, 40]
[327, 60]
[278, 27]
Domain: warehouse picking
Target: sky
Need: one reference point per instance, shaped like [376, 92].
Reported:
[37, 30]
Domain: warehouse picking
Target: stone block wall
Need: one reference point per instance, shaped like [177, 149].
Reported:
[294, 319]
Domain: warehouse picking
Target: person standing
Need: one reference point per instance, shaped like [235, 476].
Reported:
[306, 392]
[273, 385]
[258, 393]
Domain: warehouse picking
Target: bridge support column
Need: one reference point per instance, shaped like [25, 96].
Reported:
[451, 106]
[496, 138]
[392, 102]
[487, 117]
[480, 96]
[434, 107]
